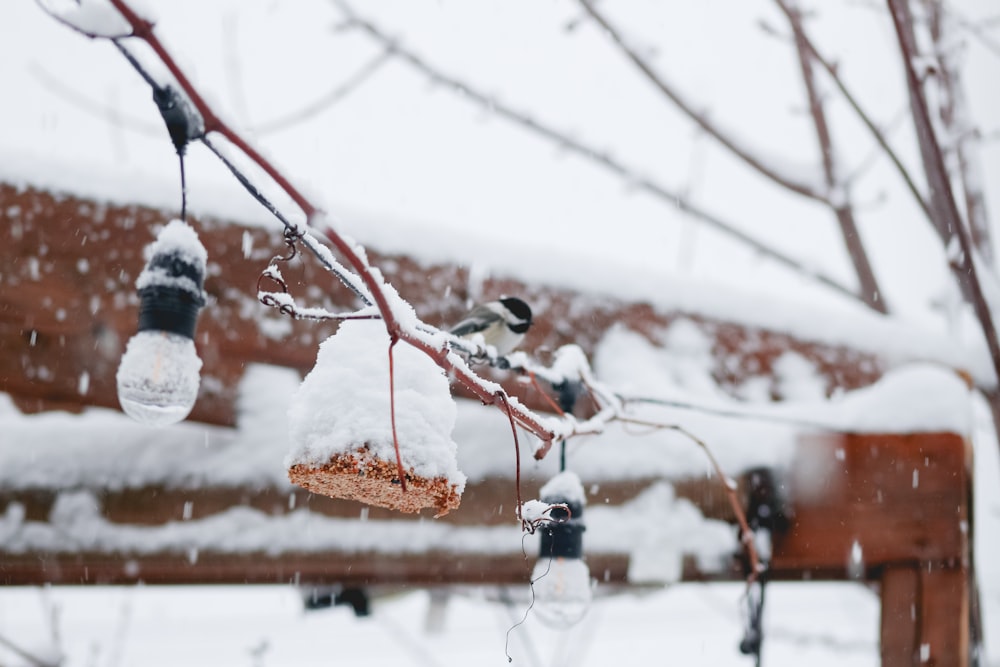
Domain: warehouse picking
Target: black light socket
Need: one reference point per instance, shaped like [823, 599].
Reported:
[563, 538]
[172, 307]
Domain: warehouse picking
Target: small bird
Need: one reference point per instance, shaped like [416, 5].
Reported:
[502, 324]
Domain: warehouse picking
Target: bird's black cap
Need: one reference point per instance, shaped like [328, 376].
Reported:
[518, 308]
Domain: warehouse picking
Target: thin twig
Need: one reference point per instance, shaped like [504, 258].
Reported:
[953, 114]
[392, 414]
[29, 657]
[327, 100]
[963, 267]
[865, 118]
[502, 399]
[871, 293]
[746, 532]
[106, 112]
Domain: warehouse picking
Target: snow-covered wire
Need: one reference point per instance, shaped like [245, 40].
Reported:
[308, 239]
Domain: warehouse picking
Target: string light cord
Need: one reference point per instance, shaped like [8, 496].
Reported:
[729, 412]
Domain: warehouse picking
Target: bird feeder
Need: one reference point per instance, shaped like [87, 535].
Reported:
[341, 418]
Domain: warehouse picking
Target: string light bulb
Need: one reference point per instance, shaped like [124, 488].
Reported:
[158, 377]
[561, 579]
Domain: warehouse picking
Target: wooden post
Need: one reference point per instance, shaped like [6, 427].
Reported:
[900, 640]
[925, 616]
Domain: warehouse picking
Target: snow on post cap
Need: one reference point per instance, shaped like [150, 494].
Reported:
[570, 362]
[177, 239]
[564, 487]
[344, 403]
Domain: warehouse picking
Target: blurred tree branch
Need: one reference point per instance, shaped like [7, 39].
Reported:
[596, 156]
[957, 126]
[833, 195]
[840, 204]
[955, 235]
[728, 140]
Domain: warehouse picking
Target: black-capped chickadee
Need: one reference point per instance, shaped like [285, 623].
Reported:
[502, 324]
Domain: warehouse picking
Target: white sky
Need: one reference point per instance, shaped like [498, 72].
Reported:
[401, 150]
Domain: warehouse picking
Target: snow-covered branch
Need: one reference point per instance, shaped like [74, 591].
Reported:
[958, 126]
[398, 318]
[948, 221]
[835, 183]
[571, 369]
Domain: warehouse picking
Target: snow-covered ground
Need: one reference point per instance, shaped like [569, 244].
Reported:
[690, 624]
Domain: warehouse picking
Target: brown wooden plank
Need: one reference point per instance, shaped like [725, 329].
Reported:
[487, 502]
[944, 616]
[68, 306]
[900, 627]
[354, 569]
[901, 498]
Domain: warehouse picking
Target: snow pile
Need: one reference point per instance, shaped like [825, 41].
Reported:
[918, 397]
[344, 403]
[663, 529]
[176, 240]
[76, 524]
[94, 17]
[564, 488]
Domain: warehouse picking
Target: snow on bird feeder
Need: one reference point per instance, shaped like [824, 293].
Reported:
[158, 376]
[341, 424]
[561, 579]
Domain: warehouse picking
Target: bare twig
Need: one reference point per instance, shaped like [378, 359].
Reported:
[504, 401]
[327, 100]
[947, 218]
[392, 415]
[601, 158]
[32, 659]
[84, 102]
[953, 114]
[866, 119]
[728, 141]
[842, 209]
[978, 29]
[729, 484]
[612, 409]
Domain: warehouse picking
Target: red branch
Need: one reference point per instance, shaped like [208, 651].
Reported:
[143, 29]
[392, 415]
[502, 399]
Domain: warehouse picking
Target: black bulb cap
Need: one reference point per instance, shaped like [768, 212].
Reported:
[564, 537]
[172, 308]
